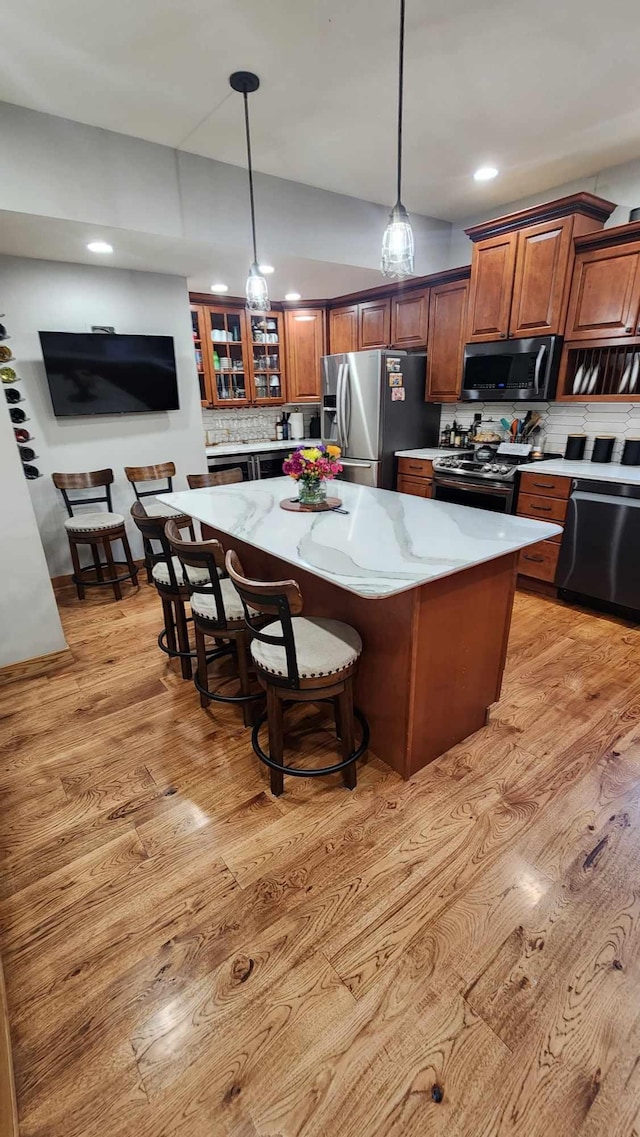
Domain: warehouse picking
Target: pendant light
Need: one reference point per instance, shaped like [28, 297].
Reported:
[257, 293]
[397, 243]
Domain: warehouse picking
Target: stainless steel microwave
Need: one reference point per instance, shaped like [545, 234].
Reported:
[513, 370]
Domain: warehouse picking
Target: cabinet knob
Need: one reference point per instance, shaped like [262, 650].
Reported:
[629, 329]
[503, 335]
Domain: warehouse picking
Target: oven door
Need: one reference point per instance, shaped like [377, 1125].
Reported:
[495, 496]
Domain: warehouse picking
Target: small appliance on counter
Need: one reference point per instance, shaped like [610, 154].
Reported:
[296, 425]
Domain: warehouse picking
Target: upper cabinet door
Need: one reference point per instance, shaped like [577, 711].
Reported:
[605, 294]
[492, 271]
[305, 338]
[409, 319]
[343, 329]
[374, 325]
[447, 327]
[543, 255]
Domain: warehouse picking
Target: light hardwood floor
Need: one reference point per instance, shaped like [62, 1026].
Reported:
[186, 955]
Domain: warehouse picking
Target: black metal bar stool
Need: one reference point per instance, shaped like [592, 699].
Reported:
[217, 613]
[99, 529]
[300, 660]
[162, 472]
[169, 579]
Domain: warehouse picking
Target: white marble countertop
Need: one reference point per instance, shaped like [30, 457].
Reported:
[223, 448]
[429, 452]
[387, 542]
[596, 471]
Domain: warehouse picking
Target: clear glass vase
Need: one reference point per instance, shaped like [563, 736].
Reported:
[312, 491]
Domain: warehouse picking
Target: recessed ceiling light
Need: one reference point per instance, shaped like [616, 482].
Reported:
[219, 287]
[293, 296]
[266, 269]
[99, 247]
[485, 174]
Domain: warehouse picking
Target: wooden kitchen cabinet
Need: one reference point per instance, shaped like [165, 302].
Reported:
[522, 264]
[415, 476]
[343, 329]
[409, 319]
[267, 363]
[305, 341]
[540, 561]
[374, 324]
[446, 339]
[418, 487]
[204, 360]
[544, 258]
[605, 293]
[492, 274]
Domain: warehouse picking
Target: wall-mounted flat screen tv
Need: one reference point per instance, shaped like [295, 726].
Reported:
[98, 373]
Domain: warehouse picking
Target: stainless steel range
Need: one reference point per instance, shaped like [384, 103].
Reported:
[486, 485]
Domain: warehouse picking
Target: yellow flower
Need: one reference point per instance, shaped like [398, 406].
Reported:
[312, 454]
[333, 451]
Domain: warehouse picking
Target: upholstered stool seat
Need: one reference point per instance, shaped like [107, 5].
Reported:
[204, 604]
[88, 522]
[159, 509]
[322, 646]
[160, 572]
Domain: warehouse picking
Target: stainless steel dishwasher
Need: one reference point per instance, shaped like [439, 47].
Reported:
[600, 551]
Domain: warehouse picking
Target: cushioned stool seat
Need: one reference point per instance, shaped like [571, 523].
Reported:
[205, 606]
[86, 522]
[322, 647]
[160, 574]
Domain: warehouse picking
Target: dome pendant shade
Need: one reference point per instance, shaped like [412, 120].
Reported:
[397, 246]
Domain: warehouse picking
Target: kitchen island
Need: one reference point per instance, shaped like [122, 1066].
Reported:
[428, 585]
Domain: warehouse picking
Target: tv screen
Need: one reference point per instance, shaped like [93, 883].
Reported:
[96, 373]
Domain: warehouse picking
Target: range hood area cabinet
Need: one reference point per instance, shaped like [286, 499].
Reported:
[522, 265]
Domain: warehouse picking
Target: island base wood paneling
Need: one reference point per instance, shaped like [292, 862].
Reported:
[432, 658]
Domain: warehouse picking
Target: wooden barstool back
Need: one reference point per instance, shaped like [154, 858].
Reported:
[329, 652]
[95, 479]
[213, 478]
[279, 599]
[217, 613]
[153, 531]
[164, 471]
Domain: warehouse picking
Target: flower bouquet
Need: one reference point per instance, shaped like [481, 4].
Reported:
[311, 467]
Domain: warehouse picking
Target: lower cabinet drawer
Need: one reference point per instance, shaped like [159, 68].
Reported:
[544, 508]
[540, 561]
[416, 467]
[419, 487]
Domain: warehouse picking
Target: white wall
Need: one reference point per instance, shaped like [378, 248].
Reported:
[53, 167]
[53, 296]
[29, 621]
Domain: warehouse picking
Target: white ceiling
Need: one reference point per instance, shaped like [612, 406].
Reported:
[545, 90]
[47, 238]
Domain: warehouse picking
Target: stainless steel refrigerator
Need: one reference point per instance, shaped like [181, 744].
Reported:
[372, 405]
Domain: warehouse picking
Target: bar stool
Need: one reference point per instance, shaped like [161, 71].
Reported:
[97, 529]
[169, 579]
[164, 471]
[217, 612]
[299, 660]
[213, 478]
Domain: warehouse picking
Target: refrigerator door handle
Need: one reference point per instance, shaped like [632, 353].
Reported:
[346, 409]
[357, 463]
[339, 405]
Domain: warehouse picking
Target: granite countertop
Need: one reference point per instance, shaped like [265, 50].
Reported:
[386, 543]
[224, 448]
[429, 452]
[596, 471]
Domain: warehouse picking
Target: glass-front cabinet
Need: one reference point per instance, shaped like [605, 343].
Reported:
[239, 356]
[267, 348]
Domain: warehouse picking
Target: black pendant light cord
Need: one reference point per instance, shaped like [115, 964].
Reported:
[400, 97]
[250, 166]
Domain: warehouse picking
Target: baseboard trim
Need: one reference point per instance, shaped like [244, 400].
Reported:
[39, 665]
